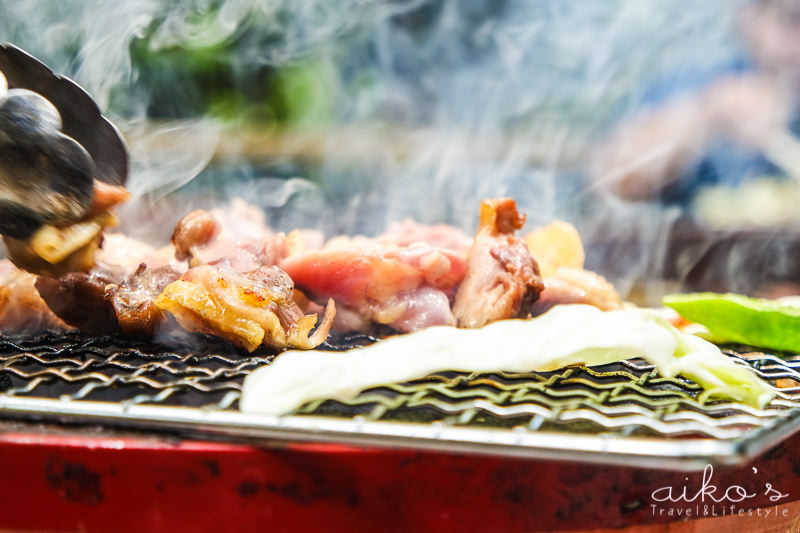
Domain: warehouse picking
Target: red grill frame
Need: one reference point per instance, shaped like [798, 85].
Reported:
[74, 482]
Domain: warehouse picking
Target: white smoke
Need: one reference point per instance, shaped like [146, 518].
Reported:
[452, 100]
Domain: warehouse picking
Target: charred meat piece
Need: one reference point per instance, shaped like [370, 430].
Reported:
[248, 310]
[133, 299]
[21, 307]
[392, 286]
[113, 295]
[98, 302]
[502, 279]
[81, 299]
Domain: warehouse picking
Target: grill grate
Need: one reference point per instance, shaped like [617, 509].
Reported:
[627, 399]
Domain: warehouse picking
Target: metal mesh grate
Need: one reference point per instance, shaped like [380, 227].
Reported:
[625, 399]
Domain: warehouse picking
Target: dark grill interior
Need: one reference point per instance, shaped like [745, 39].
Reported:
[626, 398]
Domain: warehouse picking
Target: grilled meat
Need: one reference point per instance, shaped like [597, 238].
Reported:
[241, 284]
[127, 254]
[55, 250]
[133, 299]
[243, 255]
[106, 196]
[200, 238]
[422, 308]
[248, 310]
[213, 299]
[197, 228]
[81, 299]
[404, 287]
[408, 232]
[502, 279]
[577, 286]
[114, 295]
[559, 252]
[21, 307]
[384, 280]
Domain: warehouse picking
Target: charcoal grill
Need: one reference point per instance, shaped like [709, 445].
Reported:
[623, 413]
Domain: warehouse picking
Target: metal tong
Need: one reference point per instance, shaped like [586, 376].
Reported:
[54, 142]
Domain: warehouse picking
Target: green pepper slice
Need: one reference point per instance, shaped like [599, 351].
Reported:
[756, 322]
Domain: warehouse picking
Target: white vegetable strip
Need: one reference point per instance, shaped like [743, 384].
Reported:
[566, 335]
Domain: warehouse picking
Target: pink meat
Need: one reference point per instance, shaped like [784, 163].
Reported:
[21, 307]
[577, 286]
[405, 288]
[233, 243]
[423, 308]
[409, 232]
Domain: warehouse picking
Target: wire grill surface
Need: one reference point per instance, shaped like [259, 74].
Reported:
[627, 399]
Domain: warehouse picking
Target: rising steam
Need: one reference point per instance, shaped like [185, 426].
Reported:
[469, 98]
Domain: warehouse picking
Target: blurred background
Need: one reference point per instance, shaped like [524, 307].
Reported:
[347, 115]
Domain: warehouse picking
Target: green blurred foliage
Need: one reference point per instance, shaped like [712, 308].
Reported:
[209, 77]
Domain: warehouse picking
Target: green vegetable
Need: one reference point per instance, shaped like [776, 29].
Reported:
[732, 317]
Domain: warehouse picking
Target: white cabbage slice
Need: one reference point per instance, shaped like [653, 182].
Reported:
[566, 335]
